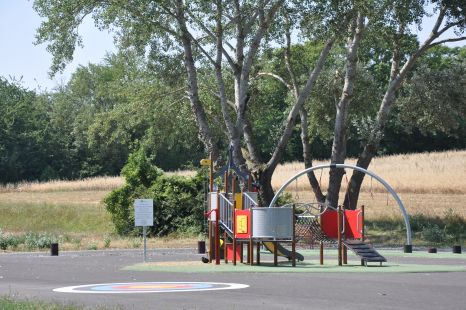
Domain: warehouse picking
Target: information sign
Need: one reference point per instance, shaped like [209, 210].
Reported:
[143, 212]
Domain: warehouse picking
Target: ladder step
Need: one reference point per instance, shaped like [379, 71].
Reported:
[365, 251]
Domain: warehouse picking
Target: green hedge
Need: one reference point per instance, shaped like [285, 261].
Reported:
[178, 201]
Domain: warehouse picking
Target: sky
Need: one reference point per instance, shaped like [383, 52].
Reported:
[22, 60]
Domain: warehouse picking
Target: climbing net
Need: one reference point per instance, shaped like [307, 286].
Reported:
[307, 229]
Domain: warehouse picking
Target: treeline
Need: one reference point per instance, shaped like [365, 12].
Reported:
[89, 126]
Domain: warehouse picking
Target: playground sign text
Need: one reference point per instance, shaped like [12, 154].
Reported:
[143, 212]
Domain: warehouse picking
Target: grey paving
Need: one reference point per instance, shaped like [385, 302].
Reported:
[34, 276]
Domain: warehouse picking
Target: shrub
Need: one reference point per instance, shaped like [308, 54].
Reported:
[41, 241]
[433, 233]
[8, 240]
[178, 201]
[455, 226]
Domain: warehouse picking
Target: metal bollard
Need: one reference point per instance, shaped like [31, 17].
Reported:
[201, 247]
[54, 249]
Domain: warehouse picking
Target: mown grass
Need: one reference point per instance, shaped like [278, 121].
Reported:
[11, 303]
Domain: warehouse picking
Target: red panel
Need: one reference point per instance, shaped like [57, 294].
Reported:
[353, 224]
[240, 215]
[329, 222]
[230, 252]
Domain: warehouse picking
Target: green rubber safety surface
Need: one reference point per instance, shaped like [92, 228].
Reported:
[301, 267]
[392, 253]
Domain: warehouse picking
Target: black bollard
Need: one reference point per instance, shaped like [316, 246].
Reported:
[408, 248]
[54, 249]
[201, 247]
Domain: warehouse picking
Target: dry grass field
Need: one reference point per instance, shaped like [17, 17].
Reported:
[428, 184]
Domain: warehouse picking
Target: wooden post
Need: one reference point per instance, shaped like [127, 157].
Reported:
[233, 188]
[217, 232]
[241, 250]
[362, 223]
[211, 241]
[362, 230]
[345, 255]
[339, 224]
[321, 253]
[258, 253]
[225, 247]
[251, 252]
[234, 237]
[211, 174]
[293, 242]
[209, 219]
[225, 182]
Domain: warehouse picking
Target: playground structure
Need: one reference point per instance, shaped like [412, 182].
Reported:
[236, 219]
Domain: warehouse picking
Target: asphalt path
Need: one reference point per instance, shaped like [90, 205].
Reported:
[33, 276]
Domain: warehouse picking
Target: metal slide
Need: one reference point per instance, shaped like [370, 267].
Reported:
[282, 251]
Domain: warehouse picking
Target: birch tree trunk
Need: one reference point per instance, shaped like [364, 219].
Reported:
[205, 132]
[341, 119]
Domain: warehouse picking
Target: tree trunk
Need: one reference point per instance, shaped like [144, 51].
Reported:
[205, 133]
[339, 140]
[307, 157]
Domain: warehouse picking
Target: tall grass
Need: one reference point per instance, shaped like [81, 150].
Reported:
[432, 173]
[88, 184]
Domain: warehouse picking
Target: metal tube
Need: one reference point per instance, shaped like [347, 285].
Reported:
[339, 235]
[384, 183]
[217, 233]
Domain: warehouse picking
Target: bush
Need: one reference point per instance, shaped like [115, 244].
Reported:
[433, 233]
[8, 240]
[455, 226]
[41, 241]
[178, 201]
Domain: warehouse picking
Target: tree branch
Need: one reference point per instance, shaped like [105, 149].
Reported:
[212, 35]
[291, 119]
[447, 40]
[277, 77]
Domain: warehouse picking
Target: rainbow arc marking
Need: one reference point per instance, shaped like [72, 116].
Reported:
[149, 287]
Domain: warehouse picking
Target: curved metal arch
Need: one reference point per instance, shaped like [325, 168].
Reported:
[343, 166]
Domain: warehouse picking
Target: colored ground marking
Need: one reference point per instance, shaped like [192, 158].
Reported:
[149, 287]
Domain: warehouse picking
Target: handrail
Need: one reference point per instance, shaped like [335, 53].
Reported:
[250, 200]
[358, 227]
[226, 212]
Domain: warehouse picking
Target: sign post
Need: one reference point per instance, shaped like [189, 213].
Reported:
[144, 216]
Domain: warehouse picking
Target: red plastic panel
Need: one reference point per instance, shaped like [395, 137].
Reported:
[242, 229]
[230, 252]
[353, 224]
[329, 222]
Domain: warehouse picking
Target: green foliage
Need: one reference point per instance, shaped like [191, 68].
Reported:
[433, 233]
[449, 229]
[9, 303]
[178, 201]
[39, 240]
[9, 241]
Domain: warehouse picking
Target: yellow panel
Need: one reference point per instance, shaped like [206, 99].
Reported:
[242, 224]
[239, 201]
[205, 162]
